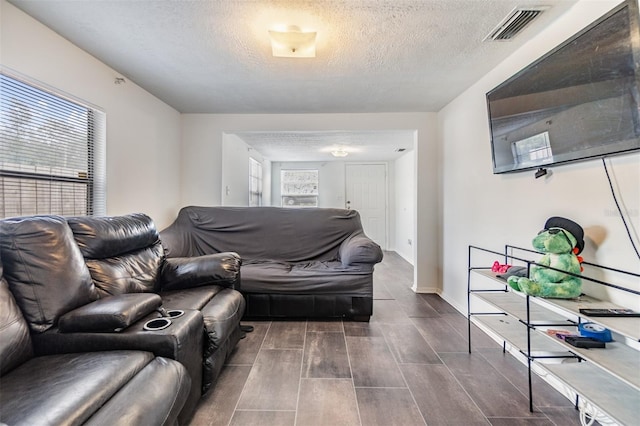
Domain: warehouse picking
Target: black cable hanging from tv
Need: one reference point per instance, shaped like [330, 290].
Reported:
[615, 199]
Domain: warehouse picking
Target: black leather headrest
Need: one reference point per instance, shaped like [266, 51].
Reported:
[110, 236]
[44, 268]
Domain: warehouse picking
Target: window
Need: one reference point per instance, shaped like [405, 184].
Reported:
[255, 183]
[531, 149]
[299, 188]
[52, 152]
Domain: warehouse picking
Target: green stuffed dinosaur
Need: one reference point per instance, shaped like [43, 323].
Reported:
[561, 240]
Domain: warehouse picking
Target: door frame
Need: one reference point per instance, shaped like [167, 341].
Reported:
[386, 191]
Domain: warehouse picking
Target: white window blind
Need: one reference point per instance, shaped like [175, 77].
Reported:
[52, 152]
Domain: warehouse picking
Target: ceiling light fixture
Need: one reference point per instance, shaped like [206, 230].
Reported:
[339, 153]
[293, 43]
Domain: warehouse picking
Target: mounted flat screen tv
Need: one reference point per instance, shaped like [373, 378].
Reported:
[579, 101]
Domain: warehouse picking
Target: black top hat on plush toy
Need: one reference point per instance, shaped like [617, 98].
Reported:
[569, 226]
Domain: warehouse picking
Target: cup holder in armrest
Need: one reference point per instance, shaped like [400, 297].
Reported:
[157, 324]
[175, 313]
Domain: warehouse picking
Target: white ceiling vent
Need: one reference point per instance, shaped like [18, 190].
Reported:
[515, 22]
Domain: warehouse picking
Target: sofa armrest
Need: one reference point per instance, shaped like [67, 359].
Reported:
[359, 248]
[187, 272]
[112, 313]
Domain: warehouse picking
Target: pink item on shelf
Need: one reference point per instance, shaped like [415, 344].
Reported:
[497, 267]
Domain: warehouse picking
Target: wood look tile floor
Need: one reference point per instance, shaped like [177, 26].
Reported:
[408, 366]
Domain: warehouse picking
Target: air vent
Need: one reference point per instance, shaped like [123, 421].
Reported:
[515, 22]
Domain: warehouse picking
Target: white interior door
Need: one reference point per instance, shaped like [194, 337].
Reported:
[366, 191]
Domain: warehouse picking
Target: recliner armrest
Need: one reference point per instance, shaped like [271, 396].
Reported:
[187, 272]
[359, 248]
[112, 313]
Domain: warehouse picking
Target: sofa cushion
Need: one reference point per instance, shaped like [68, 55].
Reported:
[189, 298]
[291, 235]
[44, 268]
[15, 343]
[111, 236]
[123, 253]
[67, 388]
[135, 272]
[317, 278]
[159, 391]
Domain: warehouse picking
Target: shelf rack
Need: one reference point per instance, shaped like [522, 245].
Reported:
[607, 378]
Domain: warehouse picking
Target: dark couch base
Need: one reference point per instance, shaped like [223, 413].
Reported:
[215, 362]
[277, 306]
[221, 323]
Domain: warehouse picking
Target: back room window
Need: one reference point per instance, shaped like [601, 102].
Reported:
[299, 188]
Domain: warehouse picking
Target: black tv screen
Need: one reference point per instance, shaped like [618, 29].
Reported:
[579, 101]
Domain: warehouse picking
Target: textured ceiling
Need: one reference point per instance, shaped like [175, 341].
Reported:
[214, 56]
[317, 146]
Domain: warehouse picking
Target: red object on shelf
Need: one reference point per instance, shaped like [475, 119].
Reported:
[497, 267]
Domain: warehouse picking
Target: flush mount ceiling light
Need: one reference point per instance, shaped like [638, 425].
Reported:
[339, 153]
[293, 43]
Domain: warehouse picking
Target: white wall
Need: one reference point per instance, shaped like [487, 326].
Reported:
[235, 170]
[330, 181]
[143, 133]
[489, 210]
[404, 189]
[202, 161]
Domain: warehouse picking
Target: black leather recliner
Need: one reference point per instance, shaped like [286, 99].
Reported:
[91, 283]
[95, 388]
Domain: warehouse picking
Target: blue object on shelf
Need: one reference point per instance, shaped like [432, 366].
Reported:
[595, 331]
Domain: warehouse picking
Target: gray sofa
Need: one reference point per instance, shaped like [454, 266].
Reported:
[295, 262]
